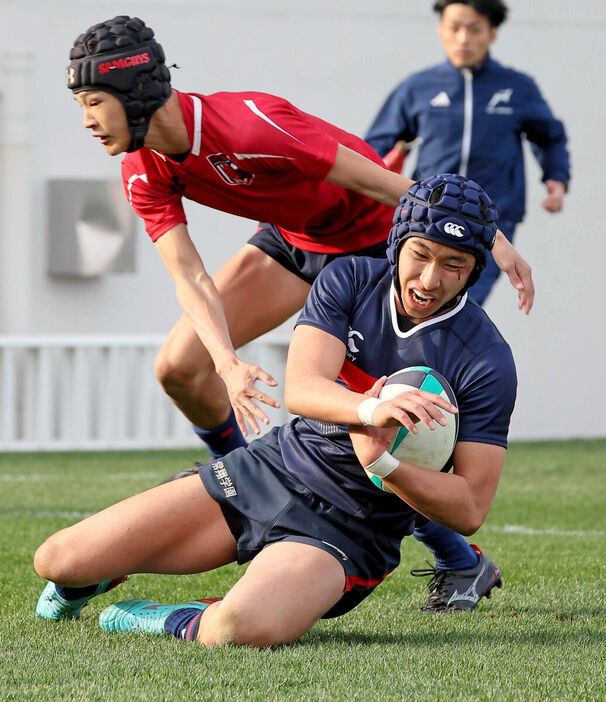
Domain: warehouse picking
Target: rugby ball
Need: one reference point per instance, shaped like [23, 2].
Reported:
[430, 449]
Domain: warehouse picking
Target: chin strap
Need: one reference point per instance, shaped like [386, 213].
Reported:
[138, 129]
[451, 303]
[136, 143]
[398, 289]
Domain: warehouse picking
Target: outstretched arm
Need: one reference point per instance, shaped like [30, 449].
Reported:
[200, 300]
[356, 172]
[518, 271]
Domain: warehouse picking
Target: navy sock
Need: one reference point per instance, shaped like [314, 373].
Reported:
[75, 593]
[184, 623]
[222, 439]
[450, 549]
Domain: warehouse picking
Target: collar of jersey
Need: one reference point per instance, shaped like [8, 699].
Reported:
[191, 107]
[488, 62]
[422, 325]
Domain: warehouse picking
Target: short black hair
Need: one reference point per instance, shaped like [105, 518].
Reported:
[495, 11]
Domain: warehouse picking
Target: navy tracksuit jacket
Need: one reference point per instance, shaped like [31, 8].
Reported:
[471, 121]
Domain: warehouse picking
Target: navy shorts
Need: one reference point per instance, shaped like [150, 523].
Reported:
[304, 264]
[264, 504]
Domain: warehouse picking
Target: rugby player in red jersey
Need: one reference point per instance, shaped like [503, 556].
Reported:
[320, 192]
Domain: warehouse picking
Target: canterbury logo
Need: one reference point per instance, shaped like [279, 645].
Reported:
[351, 340]
[454, 229]
[127, 62]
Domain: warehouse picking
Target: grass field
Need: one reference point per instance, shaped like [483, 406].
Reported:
[540, 638]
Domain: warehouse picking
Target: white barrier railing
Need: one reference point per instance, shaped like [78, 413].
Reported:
[92, 392]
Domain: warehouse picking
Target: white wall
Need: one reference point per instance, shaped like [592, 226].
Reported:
[337, 59]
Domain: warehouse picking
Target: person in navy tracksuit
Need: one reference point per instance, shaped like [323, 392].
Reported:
[470, 114]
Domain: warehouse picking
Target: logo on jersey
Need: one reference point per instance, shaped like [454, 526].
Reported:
[231, 173]
[454, 229]
[495, 105]
[122, 63]
[440, 100]
[353, 342]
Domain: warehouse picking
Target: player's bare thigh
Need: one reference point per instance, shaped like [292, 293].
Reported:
[258, 294]
[285, 590]
[173, 528]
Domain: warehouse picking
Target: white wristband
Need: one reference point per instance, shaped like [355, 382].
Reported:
[366, 409]
[384, 465]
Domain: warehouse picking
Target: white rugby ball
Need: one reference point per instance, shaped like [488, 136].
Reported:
[430, 449]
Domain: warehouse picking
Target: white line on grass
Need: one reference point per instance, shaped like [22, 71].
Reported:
[43, 477]
[528, 531]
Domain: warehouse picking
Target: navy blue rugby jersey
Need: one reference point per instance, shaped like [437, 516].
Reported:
[353, 299]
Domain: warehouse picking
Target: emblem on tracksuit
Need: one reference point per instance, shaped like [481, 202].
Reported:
[440, 100]
[495, 104]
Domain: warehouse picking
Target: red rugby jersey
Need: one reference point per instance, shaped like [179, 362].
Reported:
[257, 156]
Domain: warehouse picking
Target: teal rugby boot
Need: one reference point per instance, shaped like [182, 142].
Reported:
[52, 606]
[144, 616]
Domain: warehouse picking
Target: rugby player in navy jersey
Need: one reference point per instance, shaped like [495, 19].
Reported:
[323, 191]
[297, 502]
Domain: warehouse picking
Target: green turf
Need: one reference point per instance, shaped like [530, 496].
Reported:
[540, 638]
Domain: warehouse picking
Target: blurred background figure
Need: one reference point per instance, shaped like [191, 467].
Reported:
[469, 115]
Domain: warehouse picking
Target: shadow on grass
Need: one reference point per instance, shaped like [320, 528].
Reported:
[456, 638]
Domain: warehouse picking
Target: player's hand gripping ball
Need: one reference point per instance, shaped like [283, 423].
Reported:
[431, 449]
